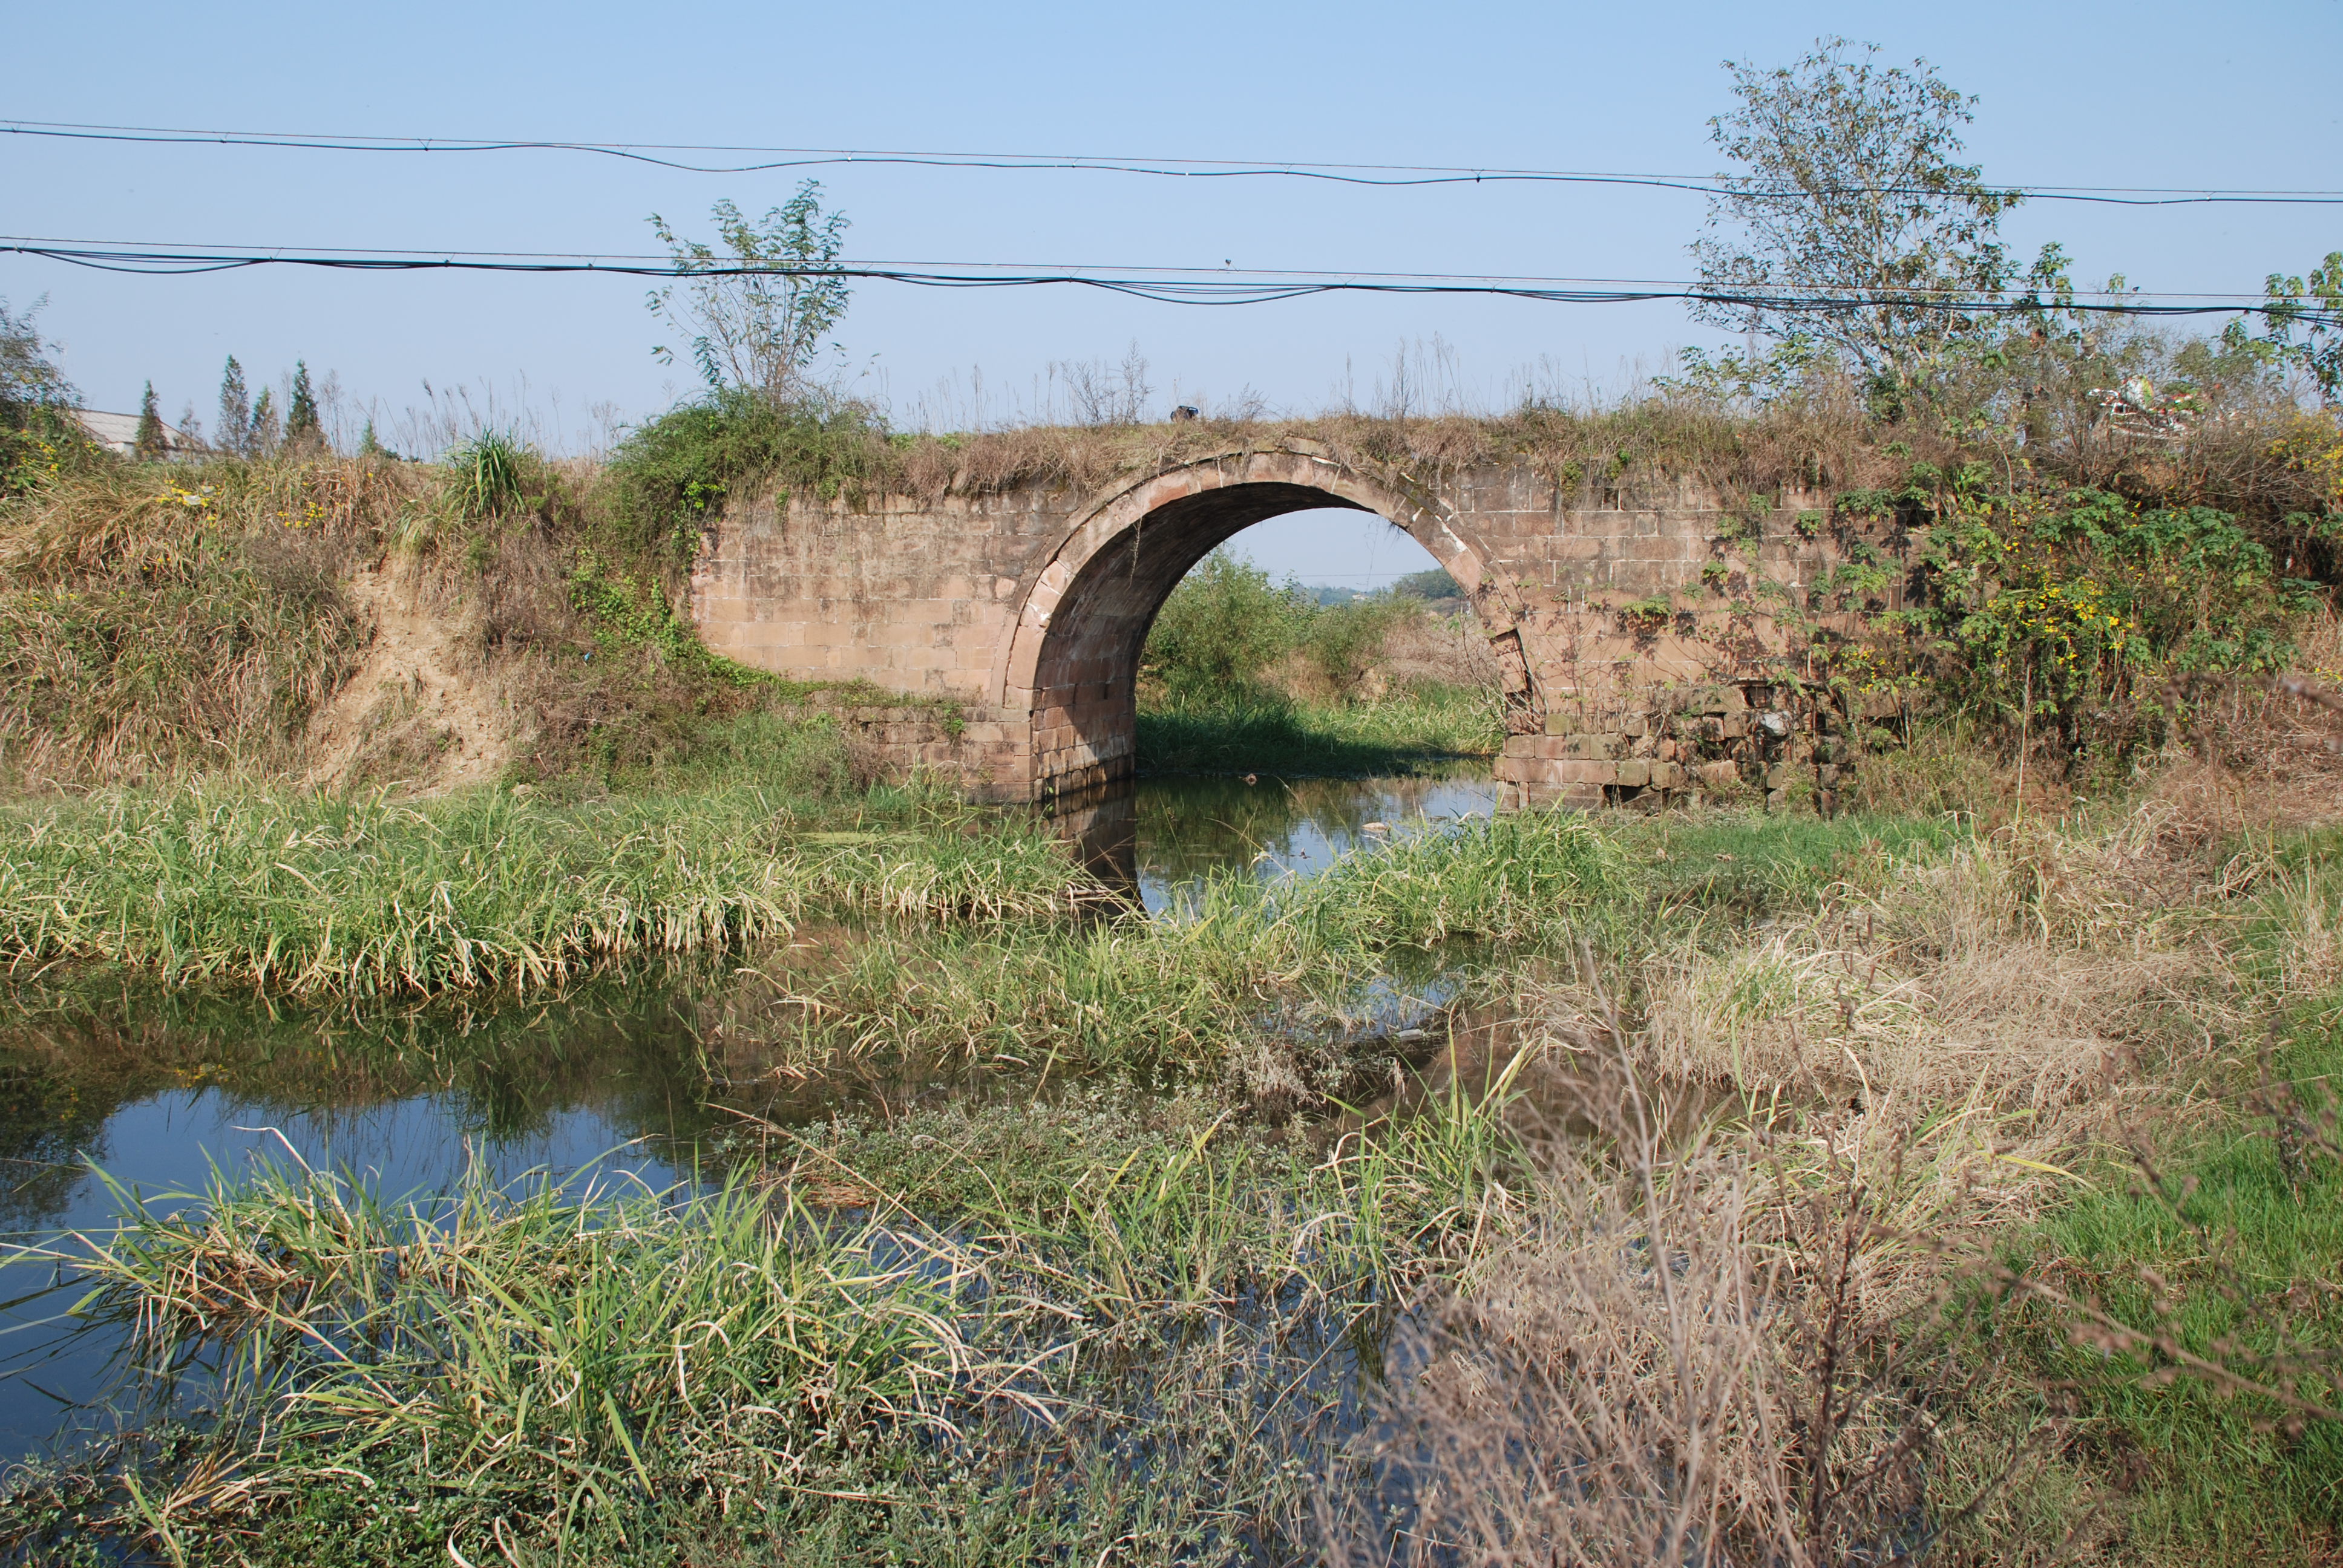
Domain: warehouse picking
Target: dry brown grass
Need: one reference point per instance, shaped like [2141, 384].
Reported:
[1676, 1359]
[1942, 1052]
[156, 623]
[2254, 463]
[1660, 439]
[1960, 1032]
[2031, 963]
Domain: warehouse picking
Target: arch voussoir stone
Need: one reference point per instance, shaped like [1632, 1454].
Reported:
[1023, 610]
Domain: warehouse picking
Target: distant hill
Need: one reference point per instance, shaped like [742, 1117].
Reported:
[1433, 587]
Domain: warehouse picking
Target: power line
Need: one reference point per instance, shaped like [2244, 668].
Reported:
[614, 261]
[1163, 285]
[775, 159]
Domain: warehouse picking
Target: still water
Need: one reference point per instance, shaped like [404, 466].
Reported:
[159, 1091]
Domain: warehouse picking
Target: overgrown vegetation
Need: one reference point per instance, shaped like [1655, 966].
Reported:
[1946, 1115]
[157, 621]
[362, 896]
[1243, 676]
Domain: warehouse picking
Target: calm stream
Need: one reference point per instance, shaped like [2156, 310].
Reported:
[605, 1084]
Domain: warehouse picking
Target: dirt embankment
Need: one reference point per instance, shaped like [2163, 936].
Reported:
[422, 704]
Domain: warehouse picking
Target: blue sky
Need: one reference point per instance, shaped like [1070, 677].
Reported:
[2130, 95]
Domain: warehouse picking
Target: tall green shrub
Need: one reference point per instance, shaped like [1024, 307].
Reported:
[2081, 614]
[1222, 629]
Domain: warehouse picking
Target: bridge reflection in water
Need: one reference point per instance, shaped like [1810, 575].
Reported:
[1153, 838]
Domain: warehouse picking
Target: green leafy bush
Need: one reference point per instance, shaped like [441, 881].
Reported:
[1222, 629]
[672, 471]
[2091, 603]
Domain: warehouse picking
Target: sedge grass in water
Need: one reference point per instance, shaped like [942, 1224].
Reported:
[315, 894]
[1240, 964]
[1040, 1331]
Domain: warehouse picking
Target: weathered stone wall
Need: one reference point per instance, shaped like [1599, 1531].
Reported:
[1782, 739]
[1608, 605]
[893, 740]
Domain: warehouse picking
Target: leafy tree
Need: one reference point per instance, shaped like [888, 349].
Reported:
[1849, 219]
[2317, 307]
[151, 445]
[1435, 586]
[1223, 627]
[756, 311]
[235, 412]
[35, 436]
[302, 429]
[29, 379]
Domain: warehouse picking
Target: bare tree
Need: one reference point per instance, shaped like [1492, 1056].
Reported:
[1849, 224]
[756, 311]
[1105, 392]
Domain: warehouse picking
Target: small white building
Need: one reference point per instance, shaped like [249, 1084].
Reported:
[119, 433]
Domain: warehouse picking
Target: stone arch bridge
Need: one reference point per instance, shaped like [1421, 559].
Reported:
[1609, 606]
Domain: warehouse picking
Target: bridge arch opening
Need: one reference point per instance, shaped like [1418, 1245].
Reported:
[1074, 660]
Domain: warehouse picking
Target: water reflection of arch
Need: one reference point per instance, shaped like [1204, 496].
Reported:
[1100, 825]
[1147, 842]
[1072, 660]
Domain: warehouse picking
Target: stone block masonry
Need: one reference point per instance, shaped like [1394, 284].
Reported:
[1631, 638]
[1785, 740]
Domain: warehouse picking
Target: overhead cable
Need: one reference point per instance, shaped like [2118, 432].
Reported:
[777, 159]
[1166, 286]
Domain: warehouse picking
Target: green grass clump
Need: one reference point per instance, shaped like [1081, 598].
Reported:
[1257, 731]
[672, 474]
[365, 896]
[585, 1356]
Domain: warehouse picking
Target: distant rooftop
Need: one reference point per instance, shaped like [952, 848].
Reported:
[119, 433]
